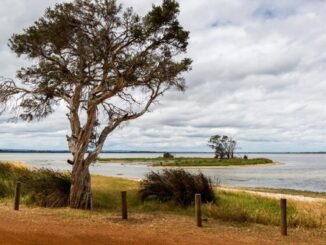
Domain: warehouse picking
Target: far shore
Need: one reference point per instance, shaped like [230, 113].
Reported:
[190, 162]
[189, 167]
[262, 165]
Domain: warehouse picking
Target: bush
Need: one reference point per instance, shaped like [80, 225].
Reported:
[178, 186]
[167, 155]
[42, 187]
[47, 188]
[9, 175]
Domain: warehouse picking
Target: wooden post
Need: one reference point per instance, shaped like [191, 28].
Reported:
[124, 205]
[17, 196]
[198, 210]
[283, 217]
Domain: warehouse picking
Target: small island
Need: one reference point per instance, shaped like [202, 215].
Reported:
[188, 161]
[223, 147]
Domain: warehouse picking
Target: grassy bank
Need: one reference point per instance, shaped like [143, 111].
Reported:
[189, 161]
[237, 207]
[233, 207]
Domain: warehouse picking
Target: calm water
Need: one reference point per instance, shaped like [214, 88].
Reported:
[297, 171]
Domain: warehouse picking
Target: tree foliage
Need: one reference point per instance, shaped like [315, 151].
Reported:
[167, 155]
[107, 64]
[223, 146]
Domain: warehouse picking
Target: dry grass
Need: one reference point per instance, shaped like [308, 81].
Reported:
[232, 207]
[312, 210]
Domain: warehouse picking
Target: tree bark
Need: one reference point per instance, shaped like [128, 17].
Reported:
[81, 192]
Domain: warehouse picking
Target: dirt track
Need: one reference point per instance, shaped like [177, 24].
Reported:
[44, 226]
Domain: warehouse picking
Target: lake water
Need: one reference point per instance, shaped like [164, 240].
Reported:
[297, 171]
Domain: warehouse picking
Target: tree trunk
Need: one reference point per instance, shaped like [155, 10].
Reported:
[81, 192]
[216, 155]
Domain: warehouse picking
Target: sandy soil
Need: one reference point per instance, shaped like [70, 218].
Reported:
[277, 195]
[63, 226]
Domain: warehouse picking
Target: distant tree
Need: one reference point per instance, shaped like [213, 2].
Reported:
[167, 155]
[224, 146]
[106, 64]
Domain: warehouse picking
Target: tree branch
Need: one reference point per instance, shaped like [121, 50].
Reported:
[114, 124]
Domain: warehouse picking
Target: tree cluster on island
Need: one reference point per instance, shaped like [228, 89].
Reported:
[223, 146]
[168, 155]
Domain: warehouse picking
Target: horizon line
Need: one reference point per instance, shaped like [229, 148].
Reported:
[150, 151]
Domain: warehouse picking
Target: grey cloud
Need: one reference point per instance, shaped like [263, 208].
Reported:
[258, 75]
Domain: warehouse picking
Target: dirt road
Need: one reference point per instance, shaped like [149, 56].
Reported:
[33, 226]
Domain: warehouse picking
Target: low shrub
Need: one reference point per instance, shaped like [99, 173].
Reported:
[47, 188]
[176, 185]
[41, 187]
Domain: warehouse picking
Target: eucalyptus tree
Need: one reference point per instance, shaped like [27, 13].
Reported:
[223, 146]
[106, 63]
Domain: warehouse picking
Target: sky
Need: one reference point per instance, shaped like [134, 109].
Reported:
[259, 76]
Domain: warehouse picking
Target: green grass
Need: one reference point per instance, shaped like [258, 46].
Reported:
[107, 191]
[9, 175]
[243, 207]
[237, 207]
[232, 207]
[107, 196]
[189, 161]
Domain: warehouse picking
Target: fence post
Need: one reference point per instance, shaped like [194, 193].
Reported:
[17, 196]
[283, 217]
[124, 209]
[198, 210]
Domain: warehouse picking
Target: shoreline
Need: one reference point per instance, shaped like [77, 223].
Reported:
[166, 167]
[258, 189]
[276, 193]
[273, 193]
[221, 167]
[155, 164]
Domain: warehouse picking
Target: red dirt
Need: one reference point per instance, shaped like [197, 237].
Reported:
[50, 226]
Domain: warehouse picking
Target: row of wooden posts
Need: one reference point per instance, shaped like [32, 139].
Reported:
[198, 213]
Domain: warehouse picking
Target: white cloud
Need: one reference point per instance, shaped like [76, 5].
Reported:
[258, 75]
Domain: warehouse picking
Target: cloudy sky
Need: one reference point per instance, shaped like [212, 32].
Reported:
[259, 75]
